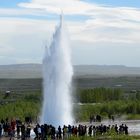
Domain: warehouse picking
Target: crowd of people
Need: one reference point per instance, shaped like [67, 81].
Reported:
[65, 132]
[16, 128]
[98, 118]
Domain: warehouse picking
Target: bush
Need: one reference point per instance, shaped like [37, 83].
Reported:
[99, 95]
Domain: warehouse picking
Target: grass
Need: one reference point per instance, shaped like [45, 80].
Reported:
[115, 137]
[133, 117]
[19, 109]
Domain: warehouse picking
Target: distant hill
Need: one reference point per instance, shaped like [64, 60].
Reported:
[35, 71]
[106, 70]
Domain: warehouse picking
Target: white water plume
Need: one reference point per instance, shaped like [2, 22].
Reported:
[57, 77]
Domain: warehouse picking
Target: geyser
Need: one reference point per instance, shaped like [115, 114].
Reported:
[57, 77]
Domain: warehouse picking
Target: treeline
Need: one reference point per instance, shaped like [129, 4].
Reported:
[99, 95]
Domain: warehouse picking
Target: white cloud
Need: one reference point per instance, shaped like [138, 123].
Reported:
[75, 7]
[103, 24]
[21, 12]
[55, 6]
[26, 38]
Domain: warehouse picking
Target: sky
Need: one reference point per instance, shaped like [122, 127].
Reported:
[102, 32]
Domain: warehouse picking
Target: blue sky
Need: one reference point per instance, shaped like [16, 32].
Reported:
[103, 32]
[10, 3]
[123, 3]
[129, 3]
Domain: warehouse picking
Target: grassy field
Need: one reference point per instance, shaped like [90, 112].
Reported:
[125, 83]
[111, 137]
[26, 97]
[119, 137]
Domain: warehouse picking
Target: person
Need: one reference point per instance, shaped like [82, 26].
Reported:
[13, 126]
[42, 132]
[90, 119]
[116, 129]
[112, 117]
[101, 129]
[53, 133]
[121, 129]
[23, 132]
[46, 127]
[2, 121]
[28, 120]
[90, 130]
[64, 132]
[126, 129]
[18, 130]
[39, 131]
[104, 129]
[75, 131]
[36, 132]
[98, 118]
[59, 132]
[5, 128]
[94, 131]
[109, 116]
[0, 130]
[84, 130]
[10, 132]
[28, 131]
[69, 130]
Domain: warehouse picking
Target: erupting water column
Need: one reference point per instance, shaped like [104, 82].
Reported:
[57, 77]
